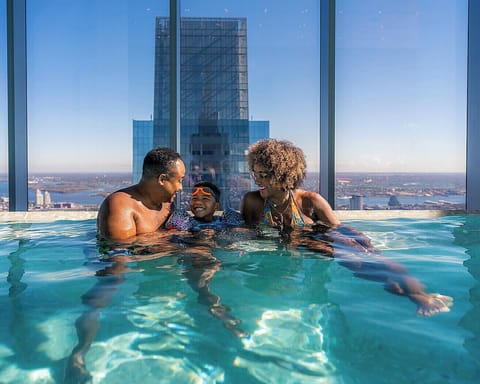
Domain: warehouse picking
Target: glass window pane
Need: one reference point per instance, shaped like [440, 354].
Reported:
[400, 104]
[249, 70]
[90, 84]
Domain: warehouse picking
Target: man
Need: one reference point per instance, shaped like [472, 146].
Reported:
[143, 207]
[138, 209]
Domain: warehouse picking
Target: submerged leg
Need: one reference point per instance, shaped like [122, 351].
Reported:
[87, 324]
[200, 271]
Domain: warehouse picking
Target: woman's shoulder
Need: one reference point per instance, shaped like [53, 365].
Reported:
[310, 201]
[307, 196]
[315, 206]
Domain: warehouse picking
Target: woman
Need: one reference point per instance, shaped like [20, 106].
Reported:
[278, 168]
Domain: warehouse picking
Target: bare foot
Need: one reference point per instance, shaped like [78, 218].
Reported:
[76, 371]
[240, 333]
[430, 304]
[230, 322]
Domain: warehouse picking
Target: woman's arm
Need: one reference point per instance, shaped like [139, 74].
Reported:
[251, 208]
[317, 208]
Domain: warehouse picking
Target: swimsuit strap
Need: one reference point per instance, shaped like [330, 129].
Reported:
[267, 214]
[297, 216]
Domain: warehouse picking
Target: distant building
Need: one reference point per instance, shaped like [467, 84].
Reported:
[42, 199]
[64, 205]
[215, 130]
[356, 202]
[38, 198]
[4, 200]
[393, 202]
[47, 200]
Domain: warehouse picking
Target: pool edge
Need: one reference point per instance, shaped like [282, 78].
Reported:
[47, 216]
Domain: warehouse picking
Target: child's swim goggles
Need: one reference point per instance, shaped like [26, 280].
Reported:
[204, 191]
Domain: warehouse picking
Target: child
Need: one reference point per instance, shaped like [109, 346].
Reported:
[201, 265]
[205, 201]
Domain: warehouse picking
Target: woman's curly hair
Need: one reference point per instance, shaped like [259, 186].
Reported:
[282, 159]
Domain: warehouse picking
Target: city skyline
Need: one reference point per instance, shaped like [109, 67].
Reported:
[400, 84]
[370, 191]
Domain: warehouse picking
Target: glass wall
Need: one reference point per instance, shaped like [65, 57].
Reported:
[400, 104]
[3, 109]
[90, 75]
[249, 70]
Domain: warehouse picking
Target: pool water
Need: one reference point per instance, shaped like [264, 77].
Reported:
[308, 318]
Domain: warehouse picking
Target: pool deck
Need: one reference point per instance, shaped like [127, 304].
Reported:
[48, 216]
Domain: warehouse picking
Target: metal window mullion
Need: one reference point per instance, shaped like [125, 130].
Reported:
[473, 107]
[327, 100]
[175, 75]
[17, 105]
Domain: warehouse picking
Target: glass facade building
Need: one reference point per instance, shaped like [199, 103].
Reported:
[214, 121]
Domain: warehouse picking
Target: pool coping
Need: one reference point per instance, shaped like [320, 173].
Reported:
[48, 216]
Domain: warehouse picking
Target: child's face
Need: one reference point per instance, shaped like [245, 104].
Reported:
[203, 205]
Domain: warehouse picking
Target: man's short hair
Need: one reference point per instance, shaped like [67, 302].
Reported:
[158, 161]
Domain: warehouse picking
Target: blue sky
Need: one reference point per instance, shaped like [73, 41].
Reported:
[400, 79]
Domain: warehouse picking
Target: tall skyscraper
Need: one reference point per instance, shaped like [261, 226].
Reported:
[213, 100]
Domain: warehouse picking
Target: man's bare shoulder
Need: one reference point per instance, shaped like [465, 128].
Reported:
[122, 196]
[121, 201]
[116, 215]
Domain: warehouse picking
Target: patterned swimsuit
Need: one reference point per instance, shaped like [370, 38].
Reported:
[297, 216]
[183, 221]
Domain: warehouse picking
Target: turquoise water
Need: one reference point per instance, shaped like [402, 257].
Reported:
[309, 319]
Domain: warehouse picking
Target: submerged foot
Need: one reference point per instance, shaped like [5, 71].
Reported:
[76, 372]
[240, 333]
[430, 304]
